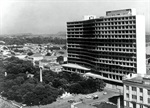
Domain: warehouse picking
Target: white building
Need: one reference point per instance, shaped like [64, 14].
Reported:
[137, 91]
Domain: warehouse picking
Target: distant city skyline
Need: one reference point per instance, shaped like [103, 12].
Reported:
[50, 16]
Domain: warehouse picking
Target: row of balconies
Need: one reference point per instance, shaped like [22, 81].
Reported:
[105, 45]
[81, 22]
[115, 59]
[113, 34]
[116, 62]
[102, 33]
[81, 61]
[119, 60]
[117, 37]
[123, 64]
[110, 72]
[108, 48]
[115, 27]
[102, 53]
[104, 28]
[116, 32]
[114, 19]
[81, 55]
[117, 69]
[119, 18]
[99, 43]
[101, 40]
[116, 54]
[116, 23]
[115, 72]
[124, 49]
[130, 67]
[120, 63]
[104, 36]
[117, 50]
[111, 29]
[118, 46]
[100, 25]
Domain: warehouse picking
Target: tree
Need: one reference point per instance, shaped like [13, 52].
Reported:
[56, 83]
[48, 54]
[30, 53]
[75, 88]
[30, 99]
[60, 59]
[19, 80]
[16, 66]
[100, 84]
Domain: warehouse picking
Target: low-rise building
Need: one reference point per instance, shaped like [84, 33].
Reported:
[137, 91]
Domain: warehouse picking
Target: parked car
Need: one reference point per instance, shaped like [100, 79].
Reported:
[71, 101]
[104, 93]
[95, 97]
[88, 97]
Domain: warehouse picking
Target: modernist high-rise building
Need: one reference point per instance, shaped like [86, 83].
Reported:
[108, 47]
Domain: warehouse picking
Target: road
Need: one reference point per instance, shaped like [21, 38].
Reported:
[63, 103]
[101, 98]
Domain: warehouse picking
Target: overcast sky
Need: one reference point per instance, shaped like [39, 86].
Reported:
[50, 16]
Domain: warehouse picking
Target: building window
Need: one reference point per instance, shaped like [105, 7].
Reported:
[127, 87]
[127, 95]
[148, 92]
[141, 106]
[127, 104]
[134, 97]
[148, 100]
[141, 98]
[133, 88]
[141, 90]
[145, 106]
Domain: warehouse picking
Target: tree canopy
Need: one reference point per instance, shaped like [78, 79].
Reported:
[29, 90]
[34, 40]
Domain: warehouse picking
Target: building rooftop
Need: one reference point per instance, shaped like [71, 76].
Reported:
[143, 80]
[137, 79]
[112, 13]
[89, 74]
[75, 66]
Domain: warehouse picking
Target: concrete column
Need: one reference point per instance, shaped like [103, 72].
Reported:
[118, 102]
[41, 79]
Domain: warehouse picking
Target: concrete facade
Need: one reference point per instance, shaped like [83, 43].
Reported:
[137, 91]
[111, 46]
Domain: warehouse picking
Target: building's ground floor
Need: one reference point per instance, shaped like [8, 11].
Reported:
[132, 104]
[87, 72]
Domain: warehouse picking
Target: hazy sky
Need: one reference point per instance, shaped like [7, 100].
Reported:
[50, 16]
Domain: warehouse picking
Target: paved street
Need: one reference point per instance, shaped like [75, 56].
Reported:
[63, 103]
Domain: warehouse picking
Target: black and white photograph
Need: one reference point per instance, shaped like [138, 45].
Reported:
[74, 53]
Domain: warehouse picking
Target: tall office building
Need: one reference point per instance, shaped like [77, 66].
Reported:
[108, 47]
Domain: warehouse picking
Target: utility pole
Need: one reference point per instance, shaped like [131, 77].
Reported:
[118, 100]
[41, 79]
